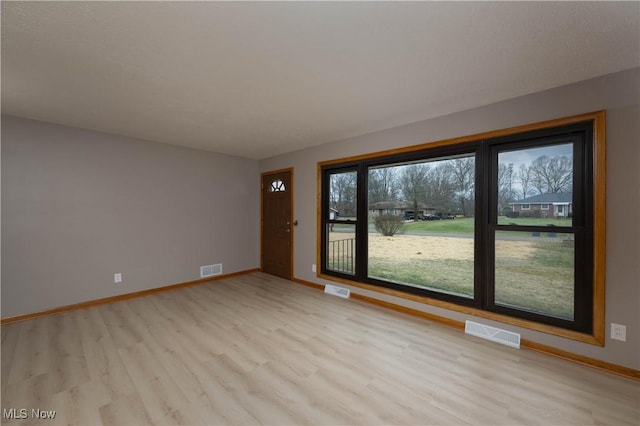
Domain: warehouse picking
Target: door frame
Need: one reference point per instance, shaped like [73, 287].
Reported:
[291, 239]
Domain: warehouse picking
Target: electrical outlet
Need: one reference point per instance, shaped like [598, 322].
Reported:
[313, 267]
[117, 278]
[619, 332]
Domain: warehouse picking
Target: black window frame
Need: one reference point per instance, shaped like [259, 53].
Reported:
[581, 137]
[486, 151]
[327, 221]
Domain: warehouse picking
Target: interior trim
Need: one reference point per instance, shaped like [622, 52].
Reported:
[608, 367]
[118, 298]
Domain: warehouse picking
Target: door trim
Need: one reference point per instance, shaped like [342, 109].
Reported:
[291, 239]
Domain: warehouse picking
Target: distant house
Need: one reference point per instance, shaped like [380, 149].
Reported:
[545, 205]
[387, 207]
[397, 208]
[333, 213]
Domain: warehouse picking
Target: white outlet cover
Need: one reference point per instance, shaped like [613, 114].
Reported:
[117, 278]
[313, 267]
[619, 332]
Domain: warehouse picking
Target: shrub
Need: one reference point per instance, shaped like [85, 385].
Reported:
[532, 213]
[388, 224]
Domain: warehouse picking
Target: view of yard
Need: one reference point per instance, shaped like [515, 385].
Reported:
[540, 281]
[434, 262]
[532, 272]
[535, 221]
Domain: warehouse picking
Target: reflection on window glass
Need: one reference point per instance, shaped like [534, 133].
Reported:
[535, 186]
[341, 248]
[434, 203]
[534, 271]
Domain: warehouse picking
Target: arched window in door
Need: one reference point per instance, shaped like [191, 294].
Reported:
[277, 186]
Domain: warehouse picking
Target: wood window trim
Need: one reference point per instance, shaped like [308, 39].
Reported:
[597, 336]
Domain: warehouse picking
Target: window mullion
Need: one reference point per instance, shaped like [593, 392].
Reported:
[362, 226]
[484, 241]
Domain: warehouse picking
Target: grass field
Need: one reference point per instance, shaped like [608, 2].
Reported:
[456, 226]
[541, 282]
[535, 274]
[534, 221]
[466, 225]
[453, 276]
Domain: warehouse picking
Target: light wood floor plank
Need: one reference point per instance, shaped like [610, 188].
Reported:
[256, 349]
[125, 411]
[31, 354]
[80, 405]
[158, 392]
[10, 336]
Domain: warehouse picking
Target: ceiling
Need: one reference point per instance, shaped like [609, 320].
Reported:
[261, 79]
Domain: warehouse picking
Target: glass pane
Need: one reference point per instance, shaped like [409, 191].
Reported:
[534, 271]
[277, 186]
[535, 186]
[342, 195]
[434, 245]
[341, 248]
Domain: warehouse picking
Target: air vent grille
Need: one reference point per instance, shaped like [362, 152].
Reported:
[492, 333]
[210, 270]
[337, 291]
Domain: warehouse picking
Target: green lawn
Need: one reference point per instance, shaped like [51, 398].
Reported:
[540, 281]
[540, 278]
[447, 275]
[466, 225]
[534, 221]
[455, 226]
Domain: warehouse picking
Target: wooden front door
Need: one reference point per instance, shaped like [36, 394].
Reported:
[277, 229]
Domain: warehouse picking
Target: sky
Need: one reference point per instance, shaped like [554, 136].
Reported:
[527, 156]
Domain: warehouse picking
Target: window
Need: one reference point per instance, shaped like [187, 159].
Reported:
[534, 272]
[434, 189]
[465, 242]
[277, 186]
[340, 229]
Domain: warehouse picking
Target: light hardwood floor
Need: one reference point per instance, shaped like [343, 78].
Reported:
[258, 349]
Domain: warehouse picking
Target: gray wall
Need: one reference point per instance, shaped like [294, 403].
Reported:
[79, 206]
[617, 93]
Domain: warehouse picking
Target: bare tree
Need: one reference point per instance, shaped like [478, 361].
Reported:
[412, 182]
[552, 174]
[463, 178]
[525, 175]
[343, 193]
[439, 189]
[382, 185]
[505, 186]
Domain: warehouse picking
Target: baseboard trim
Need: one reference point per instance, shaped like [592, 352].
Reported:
[118, 298]
[308, 283]
[608, 367]
[619, 370]
[414, 312]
